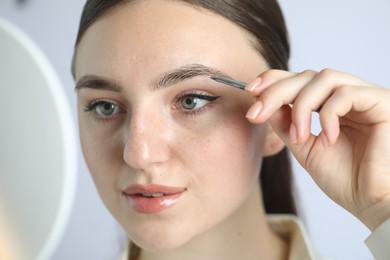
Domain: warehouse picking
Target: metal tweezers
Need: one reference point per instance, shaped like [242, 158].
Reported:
[229, 81]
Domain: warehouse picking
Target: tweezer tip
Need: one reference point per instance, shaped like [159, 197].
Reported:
[219, 79]
[229, 81]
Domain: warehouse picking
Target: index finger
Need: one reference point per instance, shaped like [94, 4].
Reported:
[266, 79]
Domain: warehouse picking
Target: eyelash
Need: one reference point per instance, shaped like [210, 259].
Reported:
[95, 104]
[194, 94]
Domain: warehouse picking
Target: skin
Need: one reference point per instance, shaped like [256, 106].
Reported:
[349, 159]
[214, 152]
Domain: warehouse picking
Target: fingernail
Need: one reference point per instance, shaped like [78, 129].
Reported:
[255, 110]
[253, 85]
[293, 134]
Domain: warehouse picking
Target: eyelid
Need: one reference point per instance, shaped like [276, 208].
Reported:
[92, 109]
[94, 103]
[196, 93]
[200, 94]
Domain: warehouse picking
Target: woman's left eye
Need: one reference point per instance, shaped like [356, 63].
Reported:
[194, 101]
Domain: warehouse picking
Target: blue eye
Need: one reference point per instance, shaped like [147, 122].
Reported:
[194, 101]
[104, 108]
[190, 103]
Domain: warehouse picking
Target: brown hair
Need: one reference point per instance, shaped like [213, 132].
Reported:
[264, 20]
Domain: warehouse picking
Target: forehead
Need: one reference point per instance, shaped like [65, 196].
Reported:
[160, 32]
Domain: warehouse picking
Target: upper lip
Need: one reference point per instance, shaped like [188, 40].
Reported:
[137, 189]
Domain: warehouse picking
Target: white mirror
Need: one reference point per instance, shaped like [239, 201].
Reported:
[38, 152]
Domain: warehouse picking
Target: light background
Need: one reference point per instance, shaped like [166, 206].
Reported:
[348, 35]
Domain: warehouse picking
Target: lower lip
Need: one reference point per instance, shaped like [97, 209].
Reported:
[152, 205]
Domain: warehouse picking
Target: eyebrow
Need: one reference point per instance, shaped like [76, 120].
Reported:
[97, 82]
[164, 80]
[183, 73]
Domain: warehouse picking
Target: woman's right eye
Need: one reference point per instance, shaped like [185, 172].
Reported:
[104, 109]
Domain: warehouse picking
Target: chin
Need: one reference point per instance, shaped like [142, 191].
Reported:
[162, 239]
[160, 245]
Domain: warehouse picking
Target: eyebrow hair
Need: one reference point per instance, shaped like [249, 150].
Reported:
[183, 73]
[162, 81]
[97, 82]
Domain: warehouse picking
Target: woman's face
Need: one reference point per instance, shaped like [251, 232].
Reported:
[170, 150]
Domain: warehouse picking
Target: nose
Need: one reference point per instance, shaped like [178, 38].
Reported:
[147, 141]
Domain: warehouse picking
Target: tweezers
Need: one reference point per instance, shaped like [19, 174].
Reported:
[229, 81]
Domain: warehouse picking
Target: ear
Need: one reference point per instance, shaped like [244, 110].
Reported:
[273, 144]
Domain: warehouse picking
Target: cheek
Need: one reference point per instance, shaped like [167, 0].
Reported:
[233, 156]
[224, 143]
[103, 159]
[225, 160]
[100, 143]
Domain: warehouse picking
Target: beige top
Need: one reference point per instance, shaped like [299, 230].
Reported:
[291, 228]
[378, 242]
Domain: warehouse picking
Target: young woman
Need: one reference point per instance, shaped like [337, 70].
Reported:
[192, 168]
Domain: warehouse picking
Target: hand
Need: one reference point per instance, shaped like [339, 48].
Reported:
[350, 159]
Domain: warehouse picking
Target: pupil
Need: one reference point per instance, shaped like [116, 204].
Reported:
[108, 109]
[189, 103]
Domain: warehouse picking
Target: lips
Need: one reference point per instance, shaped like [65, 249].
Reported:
[152, 199]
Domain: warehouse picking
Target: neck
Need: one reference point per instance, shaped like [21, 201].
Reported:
[244, 235]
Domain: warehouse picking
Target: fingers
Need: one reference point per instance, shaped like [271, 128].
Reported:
[266, 79]
[328, 90]
[285, 88]
[361, 105]
[313, 96]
